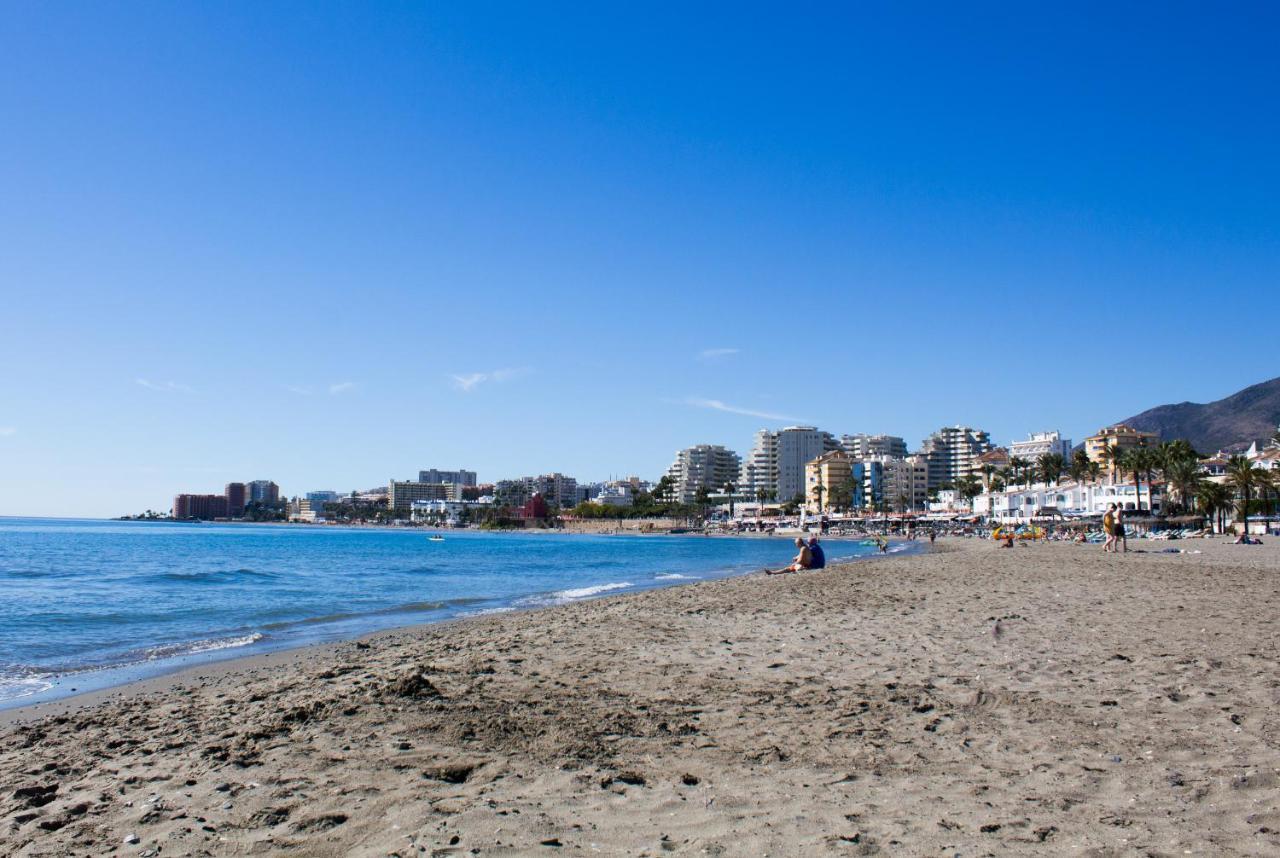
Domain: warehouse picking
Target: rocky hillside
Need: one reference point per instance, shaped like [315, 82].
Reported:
[1250, 415]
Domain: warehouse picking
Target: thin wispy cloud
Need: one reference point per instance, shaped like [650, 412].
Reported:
[8, 431]
[466, 382]
[716, 354]
[162, 386]
[341, 388]
[717, 405]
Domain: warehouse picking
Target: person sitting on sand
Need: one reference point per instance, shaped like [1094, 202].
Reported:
[817, 557]
[803, 560]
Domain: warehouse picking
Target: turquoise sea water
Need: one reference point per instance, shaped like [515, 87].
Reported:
[85, 604]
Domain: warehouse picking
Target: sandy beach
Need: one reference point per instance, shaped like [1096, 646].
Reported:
[970, 701]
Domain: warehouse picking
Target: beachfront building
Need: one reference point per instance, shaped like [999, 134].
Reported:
[777, 461]
[460, 477]
[863, 446]
[237, 496]
[904, 482]
[1067, 500]
[320, 498]
[553, 488]
[263, 491]
[511, 493]
[1040, 443]
[1121, 435]
[618, 494]
[202, 507]
[401, 495]
[556, 489]
[447, 512]
[954, 452]
[829, 483]
[703, 466]
[306, 510]
[992, 462]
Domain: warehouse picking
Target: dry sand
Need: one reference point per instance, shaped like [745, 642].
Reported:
[974, 701]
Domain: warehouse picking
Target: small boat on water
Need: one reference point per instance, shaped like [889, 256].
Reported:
[435, 537]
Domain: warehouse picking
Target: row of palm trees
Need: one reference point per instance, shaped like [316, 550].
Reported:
[1174, 461]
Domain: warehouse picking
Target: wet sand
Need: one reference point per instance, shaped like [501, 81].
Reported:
[975, 700]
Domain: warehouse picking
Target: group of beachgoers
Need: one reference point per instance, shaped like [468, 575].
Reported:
[1113, 527]
[808, 556]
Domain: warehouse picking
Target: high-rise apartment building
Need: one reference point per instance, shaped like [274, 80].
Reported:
[554, 488]
[777, 460]
[952, 452]
[203, 507]
[460, 477]
[707, 466]
[904, 483]
[401, 495]
[263, 491]
[863, 446]
[236, 494]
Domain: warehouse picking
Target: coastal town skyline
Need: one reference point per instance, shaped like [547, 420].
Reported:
[266, 243]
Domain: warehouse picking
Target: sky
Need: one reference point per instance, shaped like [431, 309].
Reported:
[333, 244]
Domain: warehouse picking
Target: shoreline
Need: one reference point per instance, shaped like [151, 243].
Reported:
[105, 682]
[1048, 699]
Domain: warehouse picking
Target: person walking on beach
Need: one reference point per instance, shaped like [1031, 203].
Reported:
[1122, 538]
[803, 560]
[817, 557]
[1109, 528]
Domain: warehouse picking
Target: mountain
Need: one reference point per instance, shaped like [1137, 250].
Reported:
[1250, 415]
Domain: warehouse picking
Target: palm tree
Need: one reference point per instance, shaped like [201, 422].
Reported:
[1213, 498]
[762, 495]
[1111, 454]
[1080, 463]
[729, 489]
[1021, 466]
[987, 470]
[1244, 477]
[1051, 467]
[1183, 479]
[1141, 461]
[819, 490]
[1095, 472]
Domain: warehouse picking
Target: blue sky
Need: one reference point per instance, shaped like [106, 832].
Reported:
[332, 244]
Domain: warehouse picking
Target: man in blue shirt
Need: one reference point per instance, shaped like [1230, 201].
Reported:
[819, 559]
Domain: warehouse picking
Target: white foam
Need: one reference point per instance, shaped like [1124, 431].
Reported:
[13, 687]
[674, 576]
[225, 643]
[587, 592]
[484, 612]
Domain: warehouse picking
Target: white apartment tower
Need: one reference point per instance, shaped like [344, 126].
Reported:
[1039, 443]
[863, 446]
[777, 459]
[708, 466]
[952, 452]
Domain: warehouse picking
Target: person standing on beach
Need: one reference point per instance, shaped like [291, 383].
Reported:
[1109, 528]
[1121, 538]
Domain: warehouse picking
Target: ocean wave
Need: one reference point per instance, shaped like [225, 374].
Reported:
[674, 576]
[22, 682]
[588, 592]
[156, 653]
[409, 608]
[484, 612]
[214, 576]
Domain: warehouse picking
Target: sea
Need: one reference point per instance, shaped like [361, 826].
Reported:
[89, 604]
